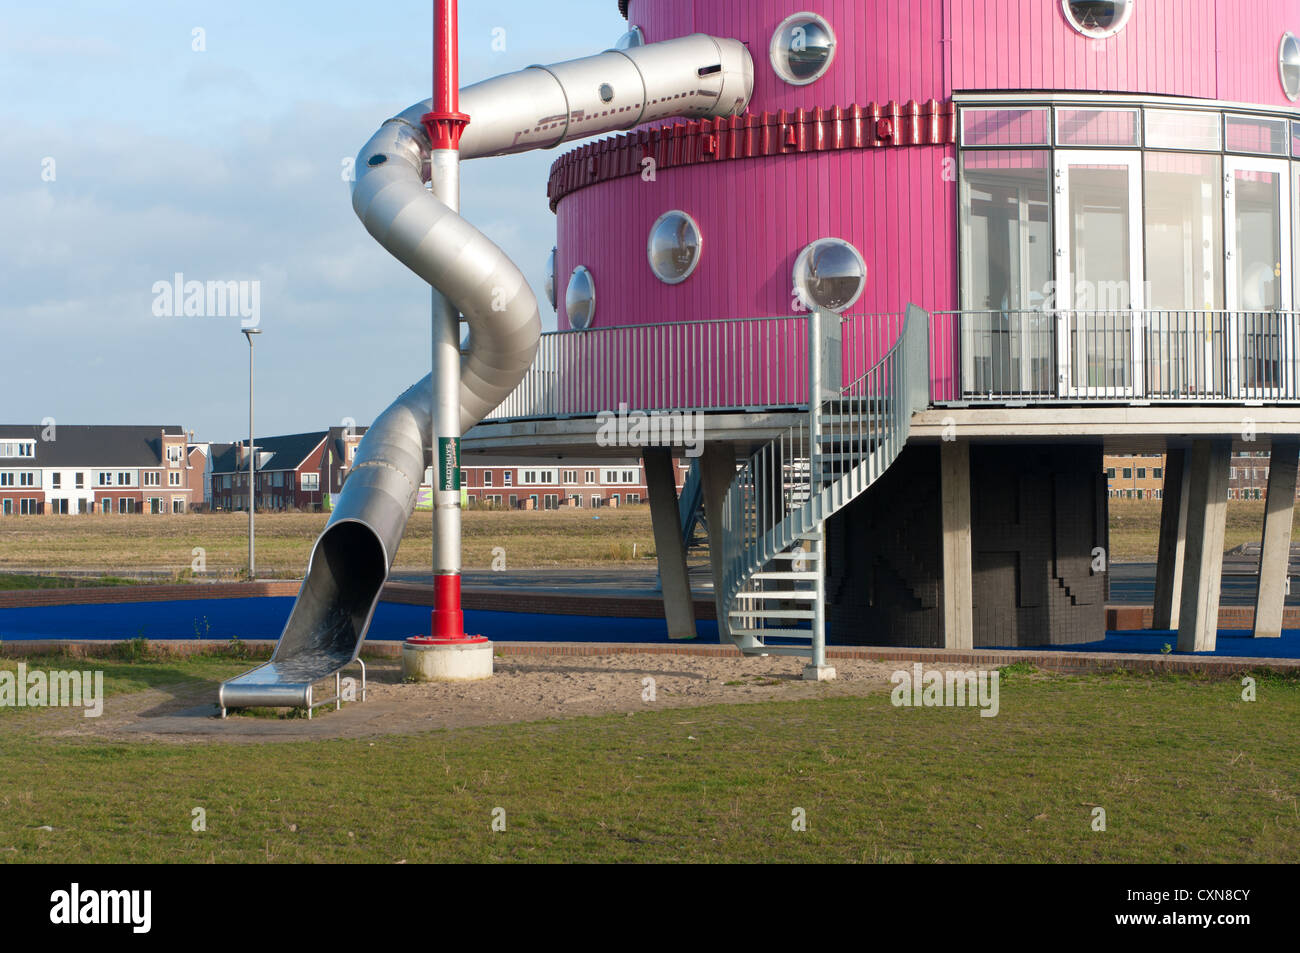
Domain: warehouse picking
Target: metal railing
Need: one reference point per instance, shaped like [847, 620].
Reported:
[1032, 356]
[792, 484]
[733, 364]
[1125, 355]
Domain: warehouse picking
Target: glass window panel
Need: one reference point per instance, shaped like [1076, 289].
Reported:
[1006, 224]
[1258, 228]
[1099, 236]
[1097, 127]
[1184, 232]
[802, 48]
[1006, 273]
[1183, 129]
[1256, 134]
[1004, 127]
[1295, 138]
[1098, 18]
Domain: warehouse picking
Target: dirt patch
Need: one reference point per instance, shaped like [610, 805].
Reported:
[530, 688]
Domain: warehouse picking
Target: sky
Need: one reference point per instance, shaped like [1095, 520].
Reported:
[130, 155]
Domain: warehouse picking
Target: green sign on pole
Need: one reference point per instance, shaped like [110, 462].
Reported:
[448, 463]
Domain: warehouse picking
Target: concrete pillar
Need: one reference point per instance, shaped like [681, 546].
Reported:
[954, 484]
[679, 608]
[1207, 514]
[717, 471]
[1275, 549]
[1173, 541]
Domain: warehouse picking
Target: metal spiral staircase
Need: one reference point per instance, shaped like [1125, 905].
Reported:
[775, 511]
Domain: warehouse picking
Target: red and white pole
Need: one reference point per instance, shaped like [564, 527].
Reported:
[444, 125]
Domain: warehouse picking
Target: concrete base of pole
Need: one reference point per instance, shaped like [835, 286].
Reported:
[818, 673]
[459, 661]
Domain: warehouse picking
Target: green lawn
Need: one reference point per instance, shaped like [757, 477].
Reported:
[1185, 770]
[10, 582]
[121, 544]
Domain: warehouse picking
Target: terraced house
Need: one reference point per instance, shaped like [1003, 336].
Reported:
[48, 469]
[287, 471]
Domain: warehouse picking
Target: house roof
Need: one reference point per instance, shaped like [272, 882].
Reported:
[338, 440]
[91, 445]
[286, 452]
[223, 457]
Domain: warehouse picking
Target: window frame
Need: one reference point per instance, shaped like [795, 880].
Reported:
[774, 47]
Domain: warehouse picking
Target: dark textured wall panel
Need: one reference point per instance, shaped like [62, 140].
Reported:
[1038, 513]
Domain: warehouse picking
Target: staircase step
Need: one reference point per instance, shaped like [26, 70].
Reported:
[810, 576]
[804, 651]
[774, 633]
[808, 555]
[793, 595]
[788, 614]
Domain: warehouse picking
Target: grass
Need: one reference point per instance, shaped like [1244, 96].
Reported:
[10, 582]
[1135, 527]
[1185, 770]
[131, 666]
[116, 544]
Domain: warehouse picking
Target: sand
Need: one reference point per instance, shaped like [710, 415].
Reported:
[531, 688]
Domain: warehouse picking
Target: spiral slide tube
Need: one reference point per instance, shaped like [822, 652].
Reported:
[540, 107]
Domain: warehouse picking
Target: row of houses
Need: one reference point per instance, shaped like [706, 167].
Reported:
[1142, 476]
[69, 469]
[162, 469]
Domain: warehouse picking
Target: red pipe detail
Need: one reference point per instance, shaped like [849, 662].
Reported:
[446, 123]
[448, 621]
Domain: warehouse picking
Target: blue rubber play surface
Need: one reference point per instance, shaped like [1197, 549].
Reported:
[264, 618]
[1235, 643]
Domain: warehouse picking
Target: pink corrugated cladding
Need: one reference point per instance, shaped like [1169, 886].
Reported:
[922, 49]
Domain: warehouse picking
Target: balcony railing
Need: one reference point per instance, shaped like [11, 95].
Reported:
[1115, 356]
[1003, 357]
[742, 365]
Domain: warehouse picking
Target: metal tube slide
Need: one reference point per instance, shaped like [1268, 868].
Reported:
[538, 107]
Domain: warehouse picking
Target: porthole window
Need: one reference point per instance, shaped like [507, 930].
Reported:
[632, 38]
[1098, 18]
[673, 247]
[1288, 65]
[802, 48]
[830, 273]
[580, 299]
[550, 279]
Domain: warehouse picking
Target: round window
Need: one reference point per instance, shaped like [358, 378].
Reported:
[1288, 64]
[580, 299]
[829, 273]
[674, 247]
[632, 38]
[1098, 18]
[550, 278]
[802, 48]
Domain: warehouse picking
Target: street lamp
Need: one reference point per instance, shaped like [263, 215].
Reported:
[252, 494]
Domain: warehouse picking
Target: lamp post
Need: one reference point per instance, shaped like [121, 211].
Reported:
[252, 494]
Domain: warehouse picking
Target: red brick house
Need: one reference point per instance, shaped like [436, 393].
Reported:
[544, 483]
[287, 470]
[340, 447]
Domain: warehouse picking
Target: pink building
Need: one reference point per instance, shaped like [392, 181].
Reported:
[1093, 203]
